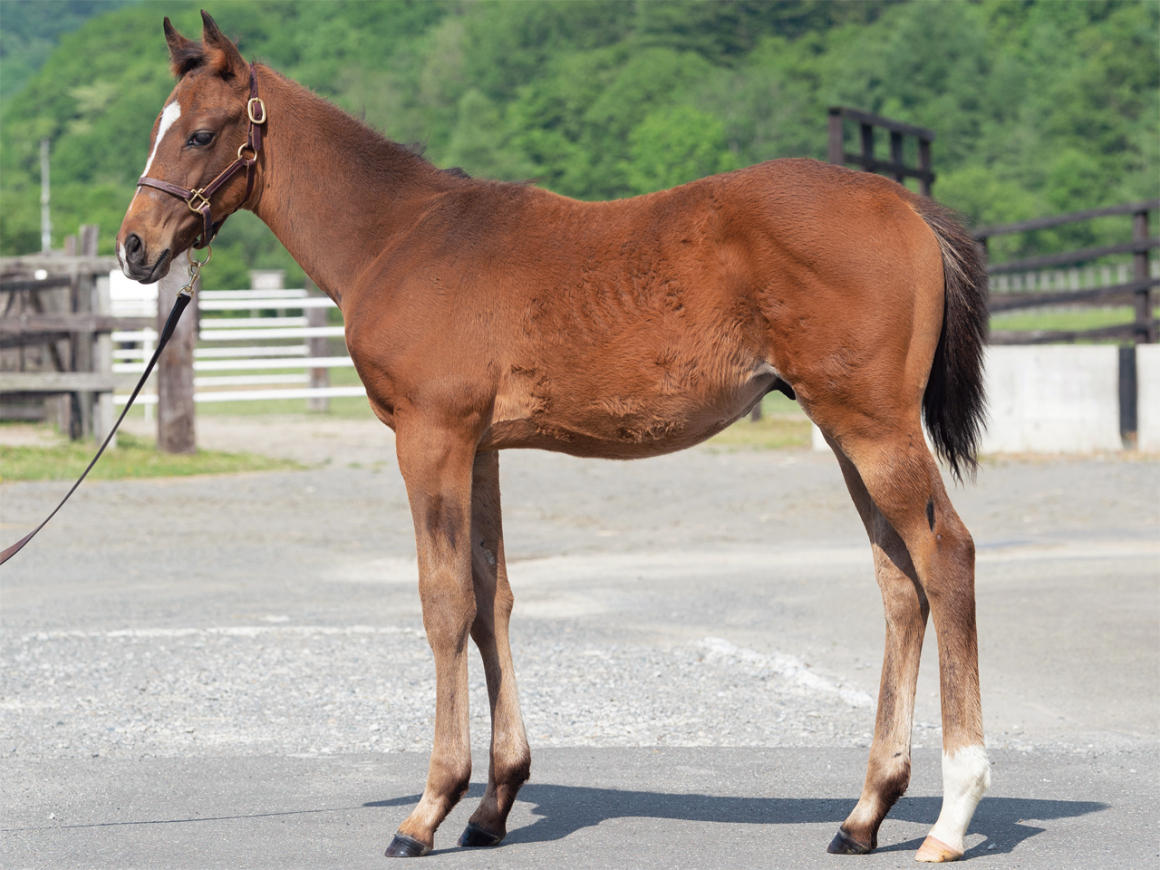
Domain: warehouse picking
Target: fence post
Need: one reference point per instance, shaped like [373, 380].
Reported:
[83, 291]
[59, 409]
[176, 432]
[926, 165]
[103, 362]
[1144, 329]
[896, 155]
[1129, 390]
[837, 147]
[867, 138]
[316, 346]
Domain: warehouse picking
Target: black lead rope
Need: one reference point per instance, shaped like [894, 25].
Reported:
[166, 332]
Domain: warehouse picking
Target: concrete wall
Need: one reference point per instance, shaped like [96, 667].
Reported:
[1052, 399]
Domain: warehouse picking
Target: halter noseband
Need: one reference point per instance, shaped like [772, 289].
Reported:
[198, 199]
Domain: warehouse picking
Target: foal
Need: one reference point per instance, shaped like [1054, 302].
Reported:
[483, 316]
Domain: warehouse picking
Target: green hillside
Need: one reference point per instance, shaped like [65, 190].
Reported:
[1039, 106]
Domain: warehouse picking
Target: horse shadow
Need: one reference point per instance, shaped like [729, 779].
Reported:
[565, 809]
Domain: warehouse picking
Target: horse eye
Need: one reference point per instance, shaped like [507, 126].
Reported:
[200, 139]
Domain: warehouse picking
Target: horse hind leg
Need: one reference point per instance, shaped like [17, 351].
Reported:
[510, 758]
[906, 608]
[903, 482]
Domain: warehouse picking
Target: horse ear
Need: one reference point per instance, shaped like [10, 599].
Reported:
[184, 54]
[222, 54]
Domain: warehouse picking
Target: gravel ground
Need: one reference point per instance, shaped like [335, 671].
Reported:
[703, 599]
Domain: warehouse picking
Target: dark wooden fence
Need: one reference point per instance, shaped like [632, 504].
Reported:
[896, 166]
[55, 345]
[1137, 292]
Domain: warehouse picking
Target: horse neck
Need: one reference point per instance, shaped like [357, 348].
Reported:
[333, 191]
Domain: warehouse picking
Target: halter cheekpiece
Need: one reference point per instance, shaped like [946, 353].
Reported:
[198, 199]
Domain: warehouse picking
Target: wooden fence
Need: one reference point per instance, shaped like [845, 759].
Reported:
[1136, 291]
[866, 157]
[55, 338]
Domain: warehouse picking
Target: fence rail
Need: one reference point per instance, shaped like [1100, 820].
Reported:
[896, 166]
[1136, 290]
[55, 345]
[288, 330]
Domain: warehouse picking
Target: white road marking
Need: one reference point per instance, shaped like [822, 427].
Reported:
[223, 631]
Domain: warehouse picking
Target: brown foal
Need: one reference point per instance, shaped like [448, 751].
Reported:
[485, 315]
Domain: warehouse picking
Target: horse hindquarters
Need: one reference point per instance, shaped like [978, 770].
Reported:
[926, 356]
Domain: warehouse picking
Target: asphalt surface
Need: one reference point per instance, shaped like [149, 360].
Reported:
[231, 671]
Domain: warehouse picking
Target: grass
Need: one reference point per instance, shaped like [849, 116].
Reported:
[782, 424]
[132, 458]
[1051, 319]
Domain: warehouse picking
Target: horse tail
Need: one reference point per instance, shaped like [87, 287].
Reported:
[954, 405]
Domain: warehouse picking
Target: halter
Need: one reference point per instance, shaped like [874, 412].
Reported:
[198, 199]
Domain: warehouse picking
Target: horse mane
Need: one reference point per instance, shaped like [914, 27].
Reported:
[387, 158]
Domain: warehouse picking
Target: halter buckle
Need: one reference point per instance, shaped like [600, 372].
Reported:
[256, 103]
[195, 206]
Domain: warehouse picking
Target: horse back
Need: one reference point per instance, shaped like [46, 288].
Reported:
[636, 326]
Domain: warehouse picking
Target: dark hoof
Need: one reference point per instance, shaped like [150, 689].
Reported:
[474, 835]
[406, 847]
[844, 844]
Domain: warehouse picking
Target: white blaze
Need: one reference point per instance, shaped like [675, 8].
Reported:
[168, 115]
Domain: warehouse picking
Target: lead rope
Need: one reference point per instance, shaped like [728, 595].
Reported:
[184, 295]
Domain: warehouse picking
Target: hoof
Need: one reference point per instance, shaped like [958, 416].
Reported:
[844, 844]
[406, 847]
[935, 851]
[473, 835]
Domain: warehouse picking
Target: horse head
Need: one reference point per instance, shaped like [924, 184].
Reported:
[202, 139]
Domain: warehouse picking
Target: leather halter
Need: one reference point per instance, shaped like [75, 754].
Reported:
[198, 198]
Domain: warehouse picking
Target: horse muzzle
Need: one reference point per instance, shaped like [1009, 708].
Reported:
[138, 263]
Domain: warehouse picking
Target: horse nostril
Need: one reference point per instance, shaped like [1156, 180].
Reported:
[134, 249]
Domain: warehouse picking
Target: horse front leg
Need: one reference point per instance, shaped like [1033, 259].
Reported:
[436, 465]
[510, 758]
[906, 610]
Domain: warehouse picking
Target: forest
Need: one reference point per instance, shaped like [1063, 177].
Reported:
[1039, 106]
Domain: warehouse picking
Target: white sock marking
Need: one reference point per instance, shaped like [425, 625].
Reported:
[966, 775]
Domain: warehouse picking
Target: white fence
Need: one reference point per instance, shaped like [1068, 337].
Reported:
[286, 330]
[1076, 278]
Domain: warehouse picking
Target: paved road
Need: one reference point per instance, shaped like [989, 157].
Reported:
[226, 672]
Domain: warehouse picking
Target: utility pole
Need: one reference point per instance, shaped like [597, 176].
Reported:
[45, 214]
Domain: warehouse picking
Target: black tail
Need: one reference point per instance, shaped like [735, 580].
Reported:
[953, 405]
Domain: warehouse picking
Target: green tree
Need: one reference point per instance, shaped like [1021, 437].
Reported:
[675, 145]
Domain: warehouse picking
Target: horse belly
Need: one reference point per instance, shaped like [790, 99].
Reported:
[623, 412]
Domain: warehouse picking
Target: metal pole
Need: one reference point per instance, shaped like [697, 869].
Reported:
[45, 212]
